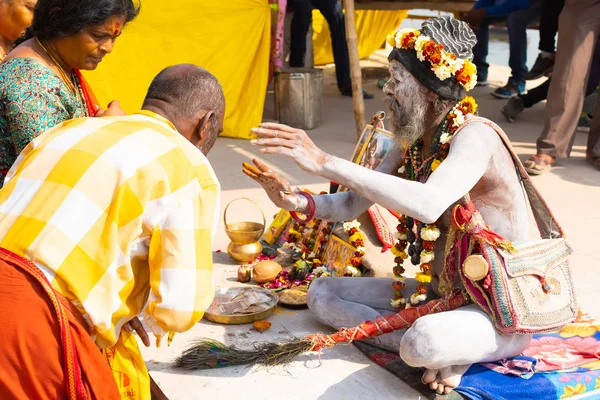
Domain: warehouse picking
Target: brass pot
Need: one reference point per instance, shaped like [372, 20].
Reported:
[244, 236]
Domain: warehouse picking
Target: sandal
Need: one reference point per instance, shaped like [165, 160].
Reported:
[595, 161]
[538, 164]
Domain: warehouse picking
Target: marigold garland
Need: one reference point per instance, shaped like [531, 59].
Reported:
[442, 63]
[357, 240]
[417, 240]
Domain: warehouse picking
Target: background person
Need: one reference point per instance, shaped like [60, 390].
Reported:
[40, 80]
[518, 14]
[334, 15]
[15, 16]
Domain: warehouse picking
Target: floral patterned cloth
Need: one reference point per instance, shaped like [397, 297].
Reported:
[32, 99]
[566, 364]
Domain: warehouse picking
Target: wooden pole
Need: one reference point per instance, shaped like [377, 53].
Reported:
[355, 72]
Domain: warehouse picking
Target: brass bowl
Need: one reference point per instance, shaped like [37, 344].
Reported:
[244, 232]
[212, 313]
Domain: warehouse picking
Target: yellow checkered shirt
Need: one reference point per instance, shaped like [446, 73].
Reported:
[120, 214]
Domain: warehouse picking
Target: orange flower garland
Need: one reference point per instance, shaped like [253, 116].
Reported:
[442, 63]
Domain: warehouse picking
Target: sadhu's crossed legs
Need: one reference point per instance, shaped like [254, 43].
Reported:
[445, 344]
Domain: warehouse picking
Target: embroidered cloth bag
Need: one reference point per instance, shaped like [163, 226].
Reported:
[525, 287]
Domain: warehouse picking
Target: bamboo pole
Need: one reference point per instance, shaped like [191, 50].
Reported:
[355, 72]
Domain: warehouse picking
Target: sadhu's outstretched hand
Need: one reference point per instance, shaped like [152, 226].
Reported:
[294, 143]
[277, 187]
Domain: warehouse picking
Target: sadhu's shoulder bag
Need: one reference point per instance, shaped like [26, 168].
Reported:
[525, 287]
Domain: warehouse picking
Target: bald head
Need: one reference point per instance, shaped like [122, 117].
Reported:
[192, 99]
[189, 89]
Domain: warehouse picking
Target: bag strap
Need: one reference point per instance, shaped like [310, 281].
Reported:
[546, 222]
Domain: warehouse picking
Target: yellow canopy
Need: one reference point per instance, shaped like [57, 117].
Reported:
[229, 38]
[372, 27]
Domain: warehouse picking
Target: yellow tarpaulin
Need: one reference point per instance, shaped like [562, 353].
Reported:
[230, 38]
[372, 27]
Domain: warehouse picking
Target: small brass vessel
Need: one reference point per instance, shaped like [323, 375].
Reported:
[244, 236]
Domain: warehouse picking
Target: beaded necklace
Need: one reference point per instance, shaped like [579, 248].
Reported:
[416, 240]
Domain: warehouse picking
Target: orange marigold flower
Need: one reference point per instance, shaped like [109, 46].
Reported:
[433, 52]
[426, 267]
[397, 285]
[398, 270]
[429, 246]
[407, 40]
[401, 228]
[355, 261]
[421, 288]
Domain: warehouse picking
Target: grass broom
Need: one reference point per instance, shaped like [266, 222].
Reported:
[208, 353]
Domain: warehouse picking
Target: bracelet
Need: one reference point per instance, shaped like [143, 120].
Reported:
[311, 208]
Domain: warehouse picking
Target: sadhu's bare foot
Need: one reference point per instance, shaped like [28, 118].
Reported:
[445, 379]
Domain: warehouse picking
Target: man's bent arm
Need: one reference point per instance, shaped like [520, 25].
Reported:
[180, 260]
[466, 163]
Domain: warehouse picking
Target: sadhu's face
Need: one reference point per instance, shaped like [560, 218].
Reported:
[15, 17]
[86, 49]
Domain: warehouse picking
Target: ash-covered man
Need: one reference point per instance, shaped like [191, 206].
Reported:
[426, 94]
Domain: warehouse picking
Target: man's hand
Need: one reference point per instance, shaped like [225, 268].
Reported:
[277, 187]
[293, 143]
[136, 325]
[475, 17]
[114, 110]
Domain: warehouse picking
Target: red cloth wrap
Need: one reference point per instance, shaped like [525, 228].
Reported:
[386, 324]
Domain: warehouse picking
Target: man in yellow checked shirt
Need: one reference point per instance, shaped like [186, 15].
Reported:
[103, 220]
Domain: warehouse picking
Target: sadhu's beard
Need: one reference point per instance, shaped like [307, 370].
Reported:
[408, 117]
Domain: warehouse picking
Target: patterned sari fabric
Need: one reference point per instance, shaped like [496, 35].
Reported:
[32, 99]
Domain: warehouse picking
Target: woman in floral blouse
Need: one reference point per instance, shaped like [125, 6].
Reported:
[40, 80]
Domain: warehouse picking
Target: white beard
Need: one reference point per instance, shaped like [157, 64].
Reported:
[408, 117]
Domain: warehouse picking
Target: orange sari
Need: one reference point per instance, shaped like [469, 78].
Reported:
[45, 352]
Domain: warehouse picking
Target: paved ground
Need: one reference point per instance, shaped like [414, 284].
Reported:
[571, 189]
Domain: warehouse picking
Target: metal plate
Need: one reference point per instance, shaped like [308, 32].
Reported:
[223, 294]
[292, 305]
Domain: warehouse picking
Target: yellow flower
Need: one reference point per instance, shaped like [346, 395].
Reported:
[573, 390]
[469, 104]
[356, 236]
[469, 67]
[423, 277]
[398, 253]
[597, 383]
[436, 163]
[391, 39]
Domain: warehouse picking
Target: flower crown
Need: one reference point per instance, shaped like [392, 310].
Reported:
[443, 64]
